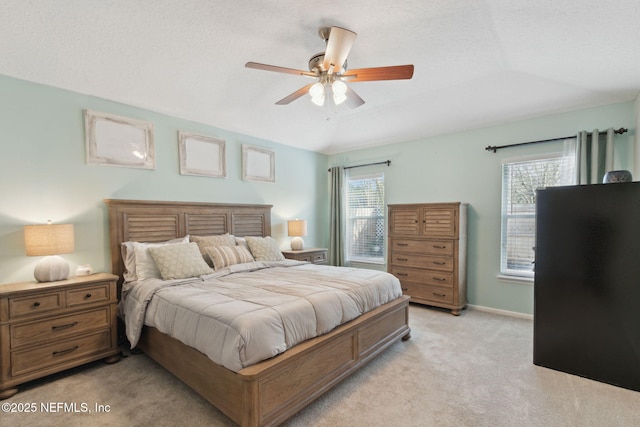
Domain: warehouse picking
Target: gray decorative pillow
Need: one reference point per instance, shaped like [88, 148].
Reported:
[223, 256]
[264, 248]
[207, 241]
[179, 261]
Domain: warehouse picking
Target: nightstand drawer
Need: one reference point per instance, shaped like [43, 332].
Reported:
[87, 295]
[62, 327]
[313, 255]
[26, 361]
[319, 258]
[41, 303]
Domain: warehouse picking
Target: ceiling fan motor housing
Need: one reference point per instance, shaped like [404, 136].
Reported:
[317, 63]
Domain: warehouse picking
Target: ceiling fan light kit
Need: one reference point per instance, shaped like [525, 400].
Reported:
[329, 68]
[316, 91]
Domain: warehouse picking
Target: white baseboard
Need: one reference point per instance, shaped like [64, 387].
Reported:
[502, 312]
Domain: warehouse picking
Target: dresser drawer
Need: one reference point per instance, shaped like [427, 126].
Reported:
[434, 247]
[427, 277]
[22, 306]
[434, 294]
[58, 328]
[88, 295]
[26, 361]
[422, 261]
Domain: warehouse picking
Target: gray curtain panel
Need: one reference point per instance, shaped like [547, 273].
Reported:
[336, 217]
[594, 156]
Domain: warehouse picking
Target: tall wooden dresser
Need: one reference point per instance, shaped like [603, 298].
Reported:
[428, 252]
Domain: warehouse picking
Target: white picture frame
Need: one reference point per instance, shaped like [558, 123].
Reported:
[258, 164]
[202, 155]
[118, 141]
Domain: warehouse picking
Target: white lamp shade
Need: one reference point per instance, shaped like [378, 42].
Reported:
[297, 227]
[49, 239]
[317, 94]
[339, 92]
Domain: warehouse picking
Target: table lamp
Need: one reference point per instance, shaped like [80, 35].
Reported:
[49, 240]
[297, 228]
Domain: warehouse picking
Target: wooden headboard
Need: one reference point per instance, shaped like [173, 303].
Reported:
[151, 221]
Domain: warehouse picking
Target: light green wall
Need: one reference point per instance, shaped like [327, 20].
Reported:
[45, 176]
[457, 167]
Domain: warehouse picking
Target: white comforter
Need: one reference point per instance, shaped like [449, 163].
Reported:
[247, 313]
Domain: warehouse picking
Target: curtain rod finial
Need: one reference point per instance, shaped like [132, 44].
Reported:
[493, 148]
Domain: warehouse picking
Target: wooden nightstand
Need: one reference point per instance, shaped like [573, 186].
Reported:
[52, 326]
[314, 255]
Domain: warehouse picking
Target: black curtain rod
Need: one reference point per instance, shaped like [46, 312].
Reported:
[495, 148]
[386, 162]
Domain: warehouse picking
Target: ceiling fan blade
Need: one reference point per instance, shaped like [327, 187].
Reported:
[277, 69]
[295, 95]
[353, 99]
[396, 72]
[338, 48]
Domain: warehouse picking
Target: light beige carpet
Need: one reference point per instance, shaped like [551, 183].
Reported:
[471, 370]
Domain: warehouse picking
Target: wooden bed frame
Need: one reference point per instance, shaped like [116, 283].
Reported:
[271, 391]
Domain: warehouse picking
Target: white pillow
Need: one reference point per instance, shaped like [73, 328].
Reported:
[179, 261]
[241, 241]
[223, 256]
[264, 248]
[129, 255]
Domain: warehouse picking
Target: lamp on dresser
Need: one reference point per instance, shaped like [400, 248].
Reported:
[49, 240]
[297, 228]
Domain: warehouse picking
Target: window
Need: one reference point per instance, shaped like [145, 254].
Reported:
[520, 179]
[365, 218]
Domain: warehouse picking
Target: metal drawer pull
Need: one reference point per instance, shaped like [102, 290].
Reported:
[59, 327]
[439, 263]
[405, 289]
[402, 274]
[61, 352]
[440, 279]
[87, 296]
[403, 259]
[439, 247]
[439, 295]
[402, 244]
[36, 304]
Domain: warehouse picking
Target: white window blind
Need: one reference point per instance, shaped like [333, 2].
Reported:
[365, 218]
[520, 180]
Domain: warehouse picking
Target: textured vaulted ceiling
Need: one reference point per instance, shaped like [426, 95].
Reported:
[477, 62]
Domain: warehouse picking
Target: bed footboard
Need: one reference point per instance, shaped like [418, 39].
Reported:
[270, 392]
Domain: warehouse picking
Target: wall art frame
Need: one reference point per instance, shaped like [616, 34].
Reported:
[202, 155]
[258, 164]
[118, 141]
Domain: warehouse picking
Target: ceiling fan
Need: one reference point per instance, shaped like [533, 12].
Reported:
[329, 68]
